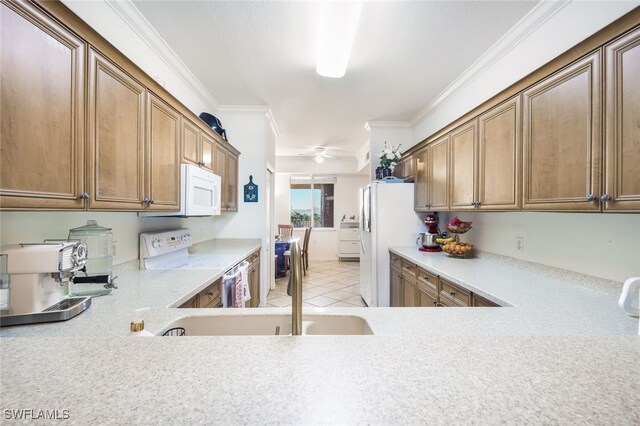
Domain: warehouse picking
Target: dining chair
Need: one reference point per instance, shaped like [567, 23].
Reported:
[286, 231]
[305, 250]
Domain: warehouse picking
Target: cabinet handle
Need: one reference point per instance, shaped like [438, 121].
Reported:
[478, 203]
[435, 302]
[591, 197]
[605, 198]
[84, 196]
[152, 201]
[473, 203]
[145, 200]
[453, 293]
[200, 163]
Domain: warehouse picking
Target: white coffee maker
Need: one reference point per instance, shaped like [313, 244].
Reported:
[36, 277]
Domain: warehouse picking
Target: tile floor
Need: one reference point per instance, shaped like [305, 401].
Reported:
[330, 283]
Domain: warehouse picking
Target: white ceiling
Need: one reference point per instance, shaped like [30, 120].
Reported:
[263, 53]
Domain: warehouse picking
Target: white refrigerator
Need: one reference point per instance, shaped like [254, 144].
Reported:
[387, 219]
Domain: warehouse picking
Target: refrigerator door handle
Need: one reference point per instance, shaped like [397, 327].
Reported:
[362, 220]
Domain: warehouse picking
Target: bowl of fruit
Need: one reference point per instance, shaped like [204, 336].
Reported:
[457, 249]
[456, 226]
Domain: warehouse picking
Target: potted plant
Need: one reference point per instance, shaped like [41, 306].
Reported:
[389, 158]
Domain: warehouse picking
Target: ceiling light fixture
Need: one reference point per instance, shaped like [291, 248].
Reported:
[336, 31]
[319, 159]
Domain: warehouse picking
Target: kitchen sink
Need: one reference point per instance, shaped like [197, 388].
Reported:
[265, 325]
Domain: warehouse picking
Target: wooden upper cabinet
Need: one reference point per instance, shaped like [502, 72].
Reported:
[420, 187]
[232, 182]
[499, 147]
[438, 175]
[190, 142]
[462, 172]
[207, 151]
[622, 145]
[198, 148]
[163, 133]
[116, 143]
[562, 139]
[42, 123]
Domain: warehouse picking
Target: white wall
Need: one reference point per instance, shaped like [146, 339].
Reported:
[127, 30]
[31, 227]
[605, 245]
[323, 244]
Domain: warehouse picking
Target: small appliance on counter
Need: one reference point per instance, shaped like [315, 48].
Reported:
[427, 241]
[36, 276]
[96, 279]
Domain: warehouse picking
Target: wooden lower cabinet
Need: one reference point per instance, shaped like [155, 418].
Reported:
[408, 284]
[481, 302]
[211, 296]
[412, 286]
[395, 280]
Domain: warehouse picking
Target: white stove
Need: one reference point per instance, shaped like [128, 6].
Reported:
[169, 249]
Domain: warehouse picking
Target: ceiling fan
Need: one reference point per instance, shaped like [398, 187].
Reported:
[319, 154]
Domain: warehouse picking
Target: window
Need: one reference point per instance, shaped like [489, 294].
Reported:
[312, 201]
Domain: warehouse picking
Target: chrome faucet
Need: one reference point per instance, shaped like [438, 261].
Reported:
[294, 289]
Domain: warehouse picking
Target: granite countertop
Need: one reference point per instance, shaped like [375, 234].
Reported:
[538, 361]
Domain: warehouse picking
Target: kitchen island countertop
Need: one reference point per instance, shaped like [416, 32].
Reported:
[530, 362]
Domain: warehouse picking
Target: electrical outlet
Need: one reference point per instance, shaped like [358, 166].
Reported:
[519, 244]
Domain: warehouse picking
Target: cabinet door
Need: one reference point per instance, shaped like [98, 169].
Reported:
[499, 157]
[232, 182]
[116, 137]
[408, 293]
[425, 297]
[254, 283]
[207, 150]
[463, 167]
[408, 168]
[420, 187]
[190, 142]
[221, 170]
[438, 175]
[622, 172]
[562, 139]
[42, 94]
[163, 134]
[396, 288]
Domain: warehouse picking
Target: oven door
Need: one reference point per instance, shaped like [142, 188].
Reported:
[201, 191]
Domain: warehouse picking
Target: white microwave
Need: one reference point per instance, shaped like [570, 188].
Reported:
[200, 192]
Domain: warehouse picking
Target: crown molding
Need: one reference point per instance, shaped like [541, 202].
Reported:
[252, 109]
[135, 20]
[536, 17]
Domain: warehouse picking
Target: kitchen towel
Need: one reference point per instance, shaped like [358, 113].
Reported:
[238, 291]
[243, 269]
[226, 289]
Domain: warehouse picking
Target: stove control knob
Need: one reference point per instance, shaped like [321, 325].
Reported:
[156, 243]
[185, 238]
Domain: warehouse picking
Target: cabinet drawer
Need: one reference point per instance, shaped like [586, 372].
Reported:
[481, 302]
[349, 247]
[210, 296]
[349, 234]
[428, 279]
[408, 271]
[454, 292]
[449, 302]
[396, 261]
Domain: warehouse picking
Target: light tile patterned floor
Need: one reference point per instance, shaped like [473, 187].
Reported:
[326, 284]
